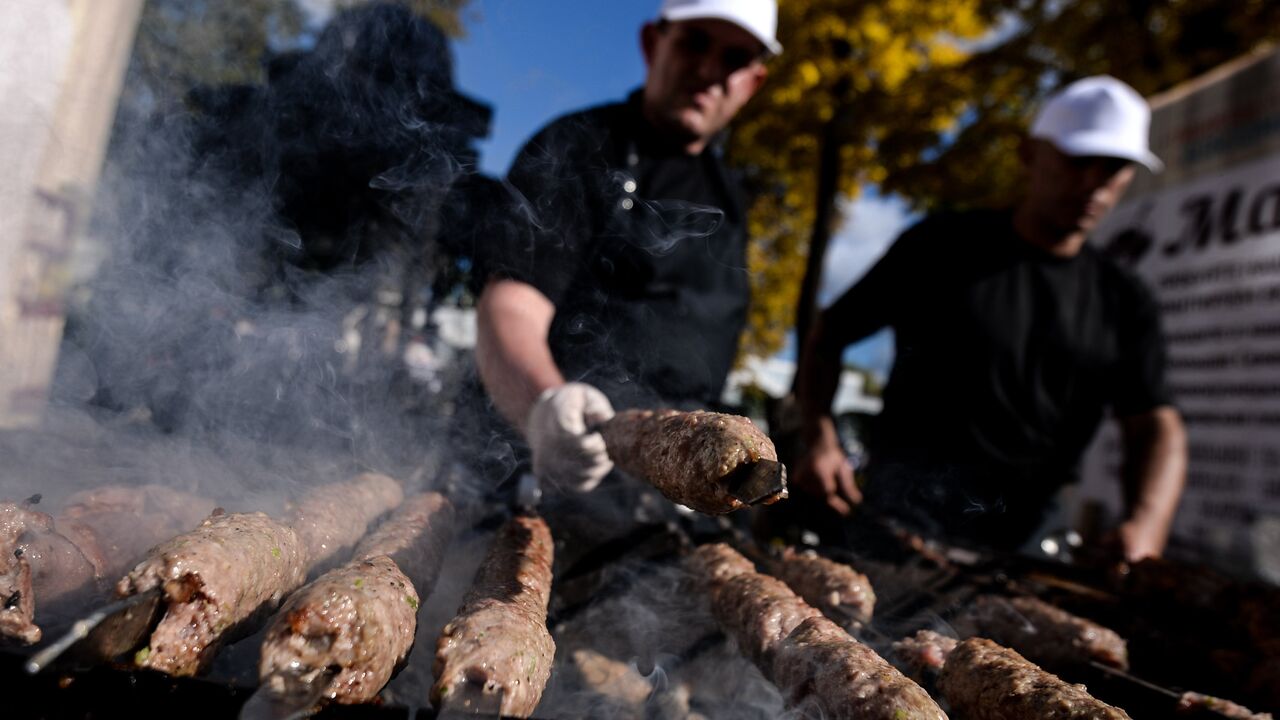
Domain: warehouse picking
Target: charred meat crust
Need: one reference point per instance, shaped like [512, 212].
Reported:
[984, 681]
[216, 579]
[331, 519]
[687, 456]
[360, 618]
[499, 640]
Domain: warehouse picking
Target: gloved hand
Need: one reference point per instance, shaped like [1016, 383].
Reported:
[564, 452]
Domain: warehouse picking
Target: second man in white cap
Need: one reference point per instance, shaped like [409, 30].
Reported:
[1014, 337]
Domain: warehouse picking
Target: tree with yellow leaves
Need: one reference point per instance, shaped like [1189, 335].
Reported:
[852, 73]
[928, 100]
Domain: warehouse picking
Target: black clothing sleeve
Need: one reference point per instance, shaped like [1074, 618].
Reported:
[1140, 385]
[552, 224]
[879, 297]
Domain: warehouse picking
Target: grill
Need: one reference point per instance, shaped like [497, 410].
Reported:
[635, 642]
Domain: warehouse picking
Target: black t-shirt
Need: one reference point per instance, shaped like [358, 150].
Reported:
[1007, 358]
[641, 248]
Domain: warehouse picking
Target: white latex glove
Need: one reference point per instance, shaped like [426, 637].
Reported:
[564, 453]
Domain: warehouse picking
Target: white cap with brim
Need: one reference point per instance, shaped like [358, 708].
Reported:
[758, 17]
[1098, 116]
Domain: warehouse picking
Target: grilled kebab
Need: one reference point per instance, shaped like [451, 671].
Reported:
[331, 519]
[985, 681]
[214, 579]
[811, 659]
[223, 577]
[498, 646]
[840, 592]
[1193, 703]
[1046, 634]
[361, 618]
[695, 458]
[63, 563]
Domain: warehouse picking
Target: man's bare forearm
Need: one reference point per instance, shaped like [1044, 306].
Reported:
[1155, 447]
[515, 363]
[816, 383]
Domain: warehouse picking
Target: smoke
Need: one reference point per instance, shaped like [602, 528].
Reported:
[647, 647]
[270, 253]
[267, 256]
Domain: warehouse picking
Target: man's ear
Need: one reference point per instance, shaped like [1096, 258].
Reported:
[649, 41]
[1027, 151]
[759, 73]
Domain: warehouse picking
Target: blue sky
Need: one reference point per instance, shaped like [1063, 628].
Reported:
[533, 61]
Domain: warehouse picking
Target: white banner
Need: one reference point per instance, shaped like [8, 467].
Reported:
[1208, 245]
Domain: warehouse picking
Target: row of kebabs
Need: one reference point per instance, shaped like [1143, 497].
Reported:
[797, 629]
[217, 582]
[349, 628]
[352, 626]
[707, 461]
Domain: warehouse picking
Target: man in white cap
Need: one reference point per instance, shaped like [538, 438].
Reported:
[624, 280]
[1014, 337]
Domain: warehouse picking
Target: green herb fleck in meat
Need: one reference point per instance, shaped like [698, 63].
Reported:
[275, 552]
[359, 583]
[141, 656]
[413, 601]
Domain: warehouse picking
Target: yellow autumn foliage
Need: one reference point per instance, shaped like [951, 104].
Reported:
[846, 62]
[929, 99]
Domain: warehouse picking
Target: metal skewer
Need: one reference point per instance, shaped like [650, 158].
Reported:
[1121, 674]
[109, 631]
[289, 695]
[759, 481]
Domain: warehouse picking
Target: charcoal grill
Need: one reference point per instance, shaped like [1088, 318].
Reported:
[915, 589]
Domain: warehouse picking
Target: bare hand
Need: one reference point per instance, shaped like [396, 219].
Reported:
[825, 473]
[1135, 540]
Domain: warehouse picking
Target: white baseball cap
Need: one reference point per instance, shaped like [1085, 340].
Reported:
[1098, 116]
[758, 17]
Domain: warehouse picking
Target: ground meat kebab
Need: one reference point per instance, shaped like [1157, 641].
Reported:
[1047, 634]
[332, 519]
[812, 660]
[223, 577]
[691, 457]
[836, 589]
[498, 644]
[59, 565]
[361, 618]
[985, 681]
[215, 578]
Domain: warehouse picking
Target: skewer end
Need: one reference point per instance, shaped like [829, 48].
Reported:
[762, 482]
[472, 699]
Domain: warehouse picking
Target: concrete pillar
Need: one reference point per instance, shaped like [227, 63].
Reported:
[62, 64]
